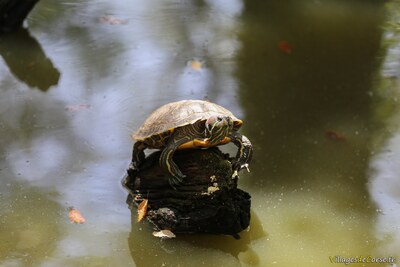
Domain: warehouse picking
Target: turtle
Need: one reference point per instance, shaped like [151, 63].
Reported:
[189, 124]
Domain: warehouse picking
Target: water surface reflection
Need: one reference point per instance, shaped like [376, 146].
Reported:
[32, 66]
[118, 61]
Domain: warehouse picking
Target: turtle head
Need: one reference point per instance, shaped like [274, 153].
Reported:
[217, 128]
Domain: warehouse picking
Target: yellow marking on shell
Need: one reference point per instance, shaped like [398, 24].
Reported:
[197, 143]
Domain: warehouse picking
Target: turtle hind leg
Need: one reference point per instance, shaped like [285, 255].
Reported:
[138, 154]
[244, 153]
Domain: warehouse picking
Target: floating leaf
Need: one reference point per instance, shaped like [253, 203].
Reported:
[76, 108]
[285, 47]
[75, 216]
[109, 19]
[335, 135]
[164, 234]
[142, 209]
[195, 64]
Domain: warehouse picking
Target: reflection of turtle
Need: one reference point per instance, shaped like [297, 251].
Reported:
[189, 124]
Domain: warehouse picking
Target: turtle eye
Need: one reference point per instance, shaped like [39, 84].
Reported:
[219, 119]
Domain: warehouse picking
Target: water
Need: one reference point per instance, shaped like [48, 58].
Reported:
[314, 81]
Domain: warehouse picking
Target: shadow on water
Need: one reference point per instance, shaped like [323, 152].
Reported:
[27, 61]
[147, 250]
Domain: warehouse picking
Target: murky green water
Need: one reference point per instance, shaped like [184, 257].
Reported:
[306, 76]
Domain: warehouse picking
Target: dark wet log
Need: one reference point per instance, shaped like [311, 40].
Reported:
[208, 201]
[13, 13]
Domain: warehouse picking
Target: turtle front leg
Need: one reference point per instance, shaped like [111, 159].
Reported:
[138, 154]
[166, 162]
[244, 153]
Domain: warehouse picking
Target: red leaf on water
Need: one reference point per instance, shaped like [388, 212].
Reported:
[285, 47]
[335, 135]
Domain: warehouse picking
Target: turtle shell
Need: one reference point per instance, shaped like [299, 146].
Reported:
[178, 114]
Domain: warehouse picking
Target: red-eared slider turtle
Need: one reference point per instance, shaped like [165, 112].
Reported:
[189, 124]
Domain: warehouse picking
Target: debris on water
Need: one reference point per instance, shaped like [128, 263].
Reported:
[285, 47]
[335, 135]
[75, 216]
[109, 19]
[77, 107]
[196, 64]
[164, 234]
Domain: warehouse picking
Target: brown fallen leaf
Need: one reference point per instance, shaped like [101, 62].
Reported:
[109, 19]
[75, 216]
[142, 209]
[335, 135]
[164, 234]
[77, 107]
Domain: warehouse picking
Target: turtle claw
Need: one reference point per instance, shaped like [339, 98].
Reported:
[237, 166]
[245, 166]
[235, 174]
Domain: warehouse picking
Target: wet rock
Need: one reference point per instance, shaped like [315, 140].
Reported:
[208, 201]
